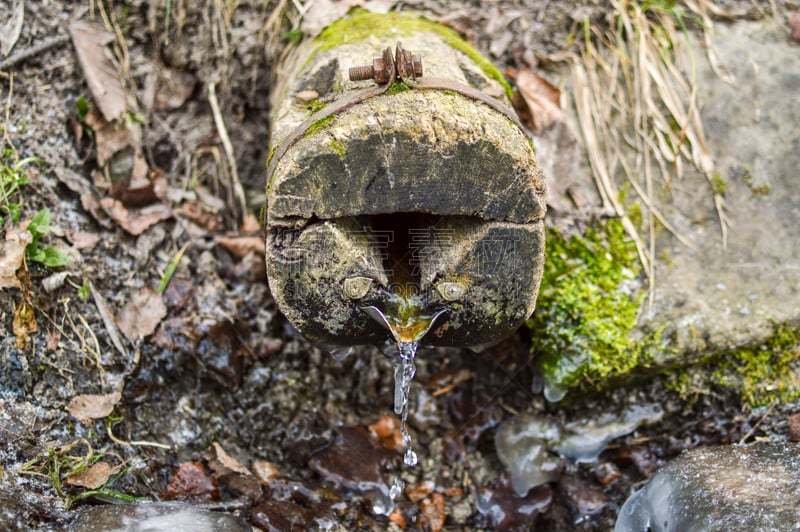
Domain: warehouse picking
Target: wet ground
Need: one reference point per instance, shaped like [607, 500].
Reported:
[220, 402]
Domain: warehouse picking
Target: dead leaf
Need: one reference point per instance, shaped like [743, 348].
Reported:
[108, 320]
[542, 99]
[135, 221]
[227, 461]
[231, 472]
[83, 239]
[168, 89]
[242, 245]
[251, 225]
[118, 147]
[432, 513]
[794, 25]
[91, 39]
[87, 408]
[12, 254]
[9, 32]
[142, 314]
[195, 212]
[24, 324]
[94, 477]
[265, 471]
[53, 282]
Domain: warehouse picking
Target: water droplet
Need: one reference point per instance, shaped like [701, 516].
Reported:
[340, 353]
[396, 489]
[410, 458]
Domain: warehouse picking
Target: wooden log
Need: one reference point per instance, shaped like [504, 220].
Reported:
[423, 193]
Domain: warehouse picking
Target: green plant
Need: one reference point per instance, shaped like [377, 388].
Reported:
[12, 179]
[35, 252]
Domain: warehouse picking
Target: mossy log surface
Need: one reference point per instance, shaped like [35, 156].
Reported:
[433, 153]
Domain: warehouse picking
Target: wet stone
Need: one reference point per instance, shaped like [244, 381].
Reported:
[720, 488]
[156, 517]
[355, 460]
[191, 481]
[505, 511]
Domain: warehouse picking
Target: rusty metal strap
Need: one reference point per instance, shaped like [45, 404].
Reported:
[470, 92]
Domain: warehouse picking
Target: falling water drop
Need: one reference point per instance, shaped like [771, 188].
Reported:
[397, 488]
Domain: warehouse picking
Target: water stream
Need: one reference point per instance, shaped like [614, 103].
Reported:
[402, 351]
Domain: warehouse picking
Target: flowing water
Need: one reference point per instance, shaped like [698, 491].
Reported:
[407, 329]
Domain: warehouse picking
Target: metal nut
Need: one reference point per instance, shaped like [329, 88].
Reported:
[409, 66]
[403, 65]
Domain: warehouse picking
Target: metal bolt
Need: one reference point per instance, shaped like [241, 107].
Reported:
[381, 70]
[404, 65]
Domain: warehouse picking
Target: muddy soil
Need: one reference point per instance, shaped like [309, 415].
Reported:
[220, 401]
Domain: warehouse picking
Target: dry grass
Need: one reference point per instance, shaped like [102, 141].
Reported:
[636, 101]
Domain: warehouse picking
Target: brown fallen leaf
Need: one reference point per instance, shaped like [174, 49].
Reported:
[12, 254]
[265, 471]
[168, 89]
[83, 239]
[251, 225]
[142, 314]
[242, 245]
[86, 408]
[225, 462]
[194, 211]
[229, 472]
[135, 221]
[91, 39]
[543, 100]
[794, 27]
[118, 150]
[94, 477]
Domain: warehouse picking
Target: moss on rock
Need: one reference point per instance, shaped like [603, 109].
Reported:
[585, 334]
[587, 307]
[761, 374]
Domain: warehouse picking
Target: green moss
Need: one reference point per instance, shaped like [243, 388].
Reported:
[397, 86]
[764, 373]
[315, 105]
[584, 315]
[318, 126]
[718, 184]
[338, 147]
[361, 25]
[760, 374]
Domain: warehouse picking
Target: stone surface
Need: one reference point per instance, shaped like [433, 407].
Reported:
[720, 488]
[718, 298]
[156, 517]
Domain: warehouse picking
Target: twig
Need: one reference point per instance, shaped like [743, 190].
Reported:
[108, 320]
[235, 184]
[32, 51]
[135, 443]
[758, 423]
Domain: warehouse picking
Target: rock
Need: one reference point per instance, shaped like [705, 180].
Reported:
[720, 488]
[737, 300]
[155, 517]
[718, 298]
